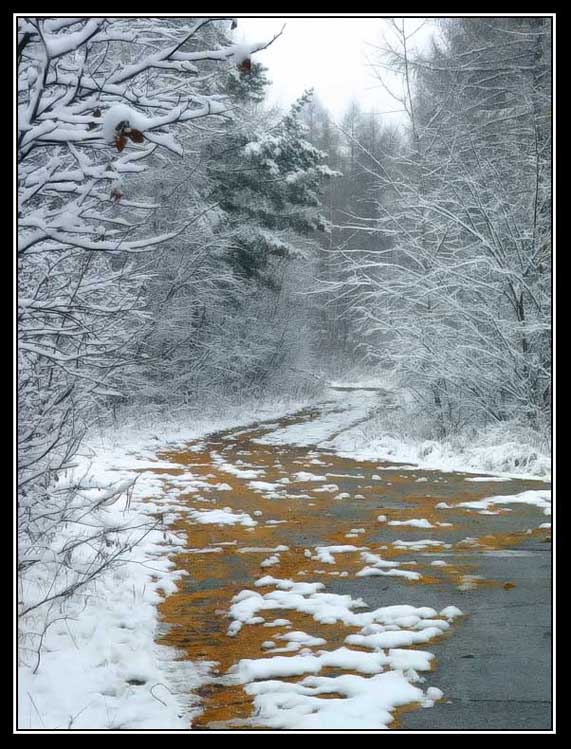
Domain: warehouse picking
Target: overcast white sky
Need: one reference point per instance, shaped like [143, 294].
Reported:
[328, 54]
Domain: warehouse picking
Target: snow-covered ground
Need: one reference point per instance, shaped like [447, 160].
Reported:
[343, 411]
[99, 665]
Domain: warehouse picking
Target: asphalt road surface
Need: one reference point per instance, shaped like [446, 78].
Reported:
[493, 665]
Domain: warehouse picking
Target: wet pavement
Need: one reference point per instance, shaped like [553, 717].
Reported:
[493, 665]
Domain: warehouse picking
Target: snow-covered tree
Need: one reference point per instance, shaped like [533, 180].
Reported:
[219, 294]
[268, 188]
[99, 100]
[461, 292]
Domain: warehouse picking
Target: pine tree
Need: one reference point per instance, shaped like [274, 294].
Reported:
[268, 186]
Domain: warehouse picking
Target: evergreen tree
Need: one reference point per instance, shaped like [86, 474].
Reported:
[267, 184]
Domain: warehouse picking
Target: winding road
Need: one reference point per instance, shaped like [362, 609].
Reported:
[391, 534]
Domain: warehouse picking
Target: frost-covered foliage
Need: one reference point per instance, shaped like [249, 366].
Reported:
[98, 101]
[85, 85]
[456, 294]
[136, 191]
[226, 296]
[355, 148]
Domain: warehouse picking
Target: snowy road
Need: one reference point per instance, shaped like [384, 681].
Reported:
[327, 592]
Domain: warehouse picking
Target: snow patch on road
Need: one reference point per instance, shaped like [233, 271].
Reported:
[366, 702]
[541, 499]
[345, 410]
[326, 554]
[415, 523]
[222, 517]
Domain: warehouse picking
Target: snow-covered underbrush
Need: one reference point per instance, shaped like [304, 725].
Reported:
[402, 434]
[88, 593]
[359, 377]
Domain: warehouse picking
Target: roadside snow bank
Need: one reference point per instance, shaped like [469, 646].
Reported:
[372, 420]
[504, 450]
[89, 660]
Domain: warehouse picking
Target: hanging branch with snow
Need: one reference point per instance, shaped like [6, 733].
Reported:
[99, 100]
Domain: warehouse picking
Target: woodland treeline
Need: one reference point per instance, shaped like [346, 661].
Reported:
[181, 242]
